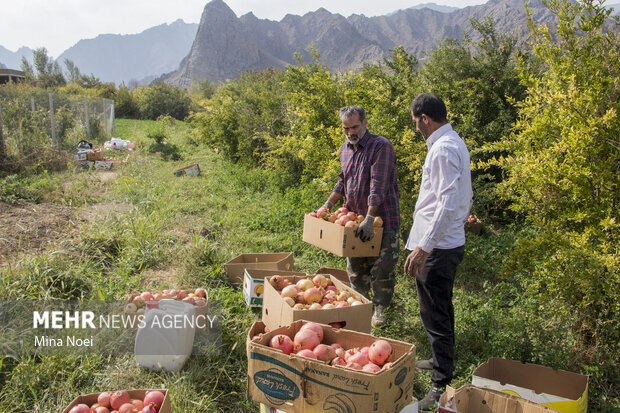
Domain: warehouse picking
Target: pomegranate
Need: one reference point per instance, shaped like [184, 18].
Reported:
[330, 296]
[100, 409]
[337, 324]
[119, 398]
[324, 353]
[199, 302]
[340, 304]
[378, 222]
[365, 350]
[315, 306]
[304, 284]
[387, 366]
[299, 306]
[351, 224]
[336, 346]
[306, 339]
[182, 294]
[277, 282]
[299, 298]
[338, 361]
[138, 403]
[306, 353]
[282, 342]
[331, 288]
[328, 306]
[340, 352]
[348, 353]
[80, 408]
[380, 352]
[147, 296]
[352, 216]
[320, 280]
[371, 368]
[343, 220]
[128, 408]
[312, 295]
[200, 292]
[149, 409]
[154, 397]
[104, 399]
[354, 366]
[358, 358]
[314, 327]
[289, 291]
[342, 210]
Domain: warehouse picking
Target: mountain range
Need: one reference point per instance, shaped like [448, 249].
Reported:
[226, 45]
[223, 45]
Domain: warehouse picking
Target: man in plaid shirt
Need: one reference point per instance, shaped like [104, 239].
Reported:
[368, 182]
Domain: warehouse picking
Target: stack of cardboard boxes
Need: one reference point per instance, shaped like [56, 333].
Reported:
[287, 383]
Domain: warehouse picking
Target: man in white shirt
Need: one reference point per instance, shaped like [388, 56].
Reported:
[437, 237]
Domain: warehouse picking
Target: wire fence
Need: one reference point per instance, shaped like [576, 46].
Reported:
[35, 119]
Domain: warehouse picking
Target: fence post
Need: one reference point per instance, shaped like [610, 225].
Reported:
[86, 116]
[53, 123]
[2, 143]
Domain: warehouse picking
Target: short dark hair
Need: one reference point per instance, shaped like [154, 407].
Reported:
[348, 111]
[430, 105]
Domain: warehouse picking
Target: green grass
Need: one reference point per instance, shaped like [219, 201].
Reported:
[187, 227]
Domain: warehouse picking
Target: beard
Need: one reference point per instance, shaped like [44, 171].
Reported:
[353, 139]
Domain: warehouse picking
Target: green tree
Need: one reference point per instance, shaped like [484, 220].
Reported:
[161, 99]
[125, 105]
[46, 72]
[563, 173]
[479, 82]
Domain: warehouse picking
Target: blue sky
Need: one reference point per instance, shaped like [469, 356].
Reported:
[59, 24]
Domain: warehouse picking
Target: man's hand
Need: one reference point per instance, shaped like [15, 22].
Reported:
[366, 230]
[415, 261]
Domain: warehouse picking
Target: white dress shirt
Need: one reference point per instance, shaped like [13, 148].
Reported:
[446, 195]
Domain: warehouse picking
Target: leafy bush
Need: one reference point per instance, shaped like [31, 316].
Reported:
[161, 99]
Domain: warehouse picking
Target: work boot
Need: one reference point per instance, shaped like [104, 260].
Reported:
[378, 318]
[431, 400]
[424, 364]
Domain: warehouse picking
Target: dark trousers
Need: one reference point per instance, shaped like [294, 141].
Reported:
[434, 286]
[376, 273]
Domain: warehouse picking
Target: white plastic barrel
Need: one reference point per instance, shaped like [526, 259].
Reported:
[165, 339]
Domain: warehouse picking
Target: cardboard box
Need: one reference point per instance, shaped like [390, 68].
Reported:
[338, 239]
[473, 399]
[295, 384]
[561, 390]
[235, 268]
[277, 313]
[103, 165]
[254, 284]
[342, 275]
[91, 399]
[96, 155]
[199, 311]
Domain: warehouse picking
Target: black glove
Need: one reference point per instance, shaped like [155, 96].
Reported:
[366, 230]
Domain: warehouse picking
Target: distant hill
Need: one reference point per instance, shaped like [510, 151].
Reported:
[13, 60]
[226, 45]
[615, 6]
[133, 57]
[436, 7]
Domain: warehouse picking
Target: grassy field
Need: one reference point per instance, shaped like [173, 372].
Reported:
[147, 229]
